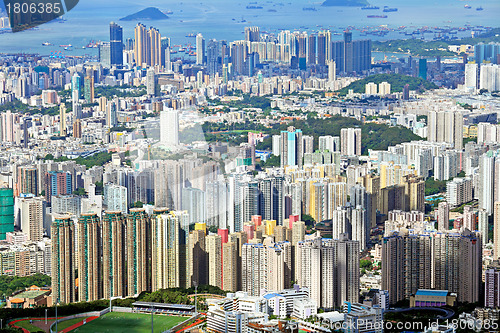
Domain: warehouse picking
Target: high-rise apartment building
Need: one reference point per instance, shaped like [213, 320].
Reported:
[170, 267]
[63, 260]
[89, 258]
[330, 269]
[138, 246]
[169, 122]
[291, 147]
[350, 141]
[32, 217]
[230, 266]
[113, 254]
[58, 183]
[446, 126]
[214, 256]
[443, 260]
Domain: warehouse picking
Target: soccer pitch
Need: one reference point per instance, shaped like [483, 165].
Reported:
[129, 322]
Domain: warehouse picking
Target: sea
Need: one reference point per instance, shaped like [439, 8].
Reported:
[226, 20]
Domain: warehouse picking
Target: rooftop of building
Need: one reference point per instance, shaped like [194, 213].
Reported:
[429, 292]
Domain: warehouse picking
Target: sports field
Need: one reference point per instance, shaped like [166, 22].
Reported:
[129, 322]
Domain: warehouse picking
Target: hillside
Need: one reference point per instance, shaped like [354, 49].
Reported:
[149, 14]
[374, 136]
[346, 3]
[397, 82]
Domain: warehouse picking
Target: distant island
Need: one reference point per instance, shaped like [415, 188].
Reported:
[345, 3]
[149, 14]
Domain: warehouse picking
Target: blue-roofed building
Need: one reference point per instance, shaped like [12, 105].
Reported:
[429, 297]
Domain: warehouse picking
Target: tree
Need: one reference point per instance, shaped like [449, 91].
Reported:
[308, 219]
[138, 204]
[80, 191]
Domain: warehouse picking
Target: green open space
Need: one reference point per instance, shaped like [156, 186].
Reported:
[129, 322]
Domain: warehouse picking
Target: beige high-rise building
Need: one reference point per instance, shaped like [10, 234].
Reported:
[197, 257]
[392, 198]
[214, 254]
[443, 260]
[63, 260]
[229, 266]
[89, 258]
[239, 238]
[279, 265]
[32, 218]
[113, 255]
[372, 185]
[170, 267]
[138, 251]
[147, 46]
[330, 269]
[443, 216]
[414, 193]
[280, 234]
[140, 45]
[253, 268]
[298, 235]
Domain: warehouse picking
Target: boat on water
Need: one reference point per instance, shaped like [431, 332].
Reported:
[310, 9]
[388, 9]
[46, 44]
[479, 8]
[254, 7]
[369, 7]
[467, 6]
[376, 16]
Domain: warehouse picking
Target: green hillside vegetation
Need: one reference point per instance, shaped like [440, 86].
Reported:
[10, 284]
[374, 136]
[397, 82]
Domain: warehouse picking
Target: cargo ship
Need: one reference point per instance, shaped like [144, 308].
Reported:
[369, 7]
[388, 9]
[376, 16]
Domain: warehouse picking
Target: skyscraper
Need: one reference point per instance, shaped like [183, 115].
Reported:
[151, 82]
[214, 256]
[422, 68]
[170, 267]
[330, 269]
[350, 140]
[89, 258]
[291, 147]
[252, 34]
[442, 260]
[58, 183]
[116, 44]
[138, 238]
[147, 46]
[169, 124]
[229, 266]
[113, 254]
[32, 218]
[200, 49]
[63, 260]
